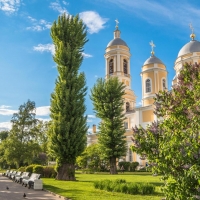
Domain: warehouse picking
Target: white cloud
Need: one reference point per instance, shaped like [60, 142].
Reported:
[58, 7]
[91, 116]
[4, 106]
[5, 111]
[43, 111]
[5, 126]
[45, 48]
[42, 119]
[162, 12]
[9, 6]
[89, 120]
[51, 48]
[38, 25]
[93, 21]
[139, 103]
[85, 55]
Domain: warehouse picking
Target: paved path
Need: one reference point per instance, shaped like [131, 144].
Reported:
[16, 191]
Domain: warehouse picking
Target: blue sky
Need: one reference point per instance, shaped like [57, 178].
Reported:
[27, 70]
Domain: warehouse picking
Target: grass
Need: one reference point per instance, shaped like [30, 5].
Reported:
[83, 188]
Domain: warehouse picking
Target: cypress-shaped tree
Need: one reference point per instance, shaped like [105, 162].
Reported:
[69, 124]
[107, 97]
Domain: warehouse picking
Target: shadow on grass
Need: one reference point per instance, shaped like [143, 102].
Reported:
[62, 192]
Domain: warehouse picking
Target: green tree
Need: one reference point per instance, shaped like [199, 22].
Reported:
[107, 97]
[93, 158]
[69, 124]
[21, 144]
[3, 135]
[176, 151]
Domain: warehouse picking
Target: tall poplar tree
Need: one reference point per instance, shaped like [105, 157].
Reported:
[69, 123]
[107, 97]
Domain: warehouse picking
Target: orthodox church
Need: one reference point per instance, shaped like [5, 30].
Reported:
[154, 78]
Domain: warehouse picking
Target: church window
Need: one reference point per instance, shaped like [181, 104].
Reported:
[148, 85]
[127, 106]
[111, 66]
[126, 125]
[164, 84]
[125, 65]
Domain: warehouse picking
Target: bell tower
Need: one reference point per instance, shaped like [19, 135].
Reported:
[117, 58]
[154, 78]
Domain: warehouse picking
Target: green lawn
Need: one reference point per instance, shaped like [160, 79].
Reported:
[83, 188]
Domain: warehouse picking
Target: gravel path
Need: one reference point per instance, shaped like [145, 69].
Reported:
[16, 192]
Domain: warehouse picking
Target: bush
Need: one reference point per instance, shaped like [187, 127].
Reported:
[30, 168]
[49, 172]
[38, 169]
[126, 165]
[120, 185]
[88, 171]
[133, 166]
[22, 169]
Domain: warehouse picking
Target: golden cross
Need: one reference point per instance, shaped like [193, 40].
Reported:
[191, 27]
[117, 22]
[152, 45]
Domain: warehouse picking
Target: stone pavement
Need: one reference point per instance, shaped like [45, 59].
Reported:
[16, 192]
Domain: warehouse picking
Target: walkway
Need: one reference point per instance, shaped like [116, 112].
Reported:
[16, 192]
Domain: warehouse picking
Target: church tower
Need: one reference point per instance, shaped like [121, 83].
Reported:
[117, 58]
[154, 78]
[189, 53]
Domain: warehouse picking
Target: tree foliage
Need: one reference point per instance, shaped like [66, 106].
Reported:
[92, 158]
[20, 146]
[107, 97]
[68, 126]
[173, 145]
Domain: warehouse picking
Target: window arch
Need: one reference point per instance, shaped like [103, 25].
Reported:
[111, 66]
[127, 106]
[125, 66]
[164, 84]
[148, 85]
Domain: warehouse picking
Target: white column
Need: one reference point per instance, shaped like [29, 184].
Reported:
[106, 70]
[118, 62]
[115, 64]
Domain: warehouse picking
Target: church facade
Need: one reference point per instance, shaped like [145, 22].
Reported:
[154, 78]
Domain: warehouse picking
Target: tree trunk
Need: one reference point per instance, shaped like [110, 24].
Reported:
[66, 172]
[113, 167]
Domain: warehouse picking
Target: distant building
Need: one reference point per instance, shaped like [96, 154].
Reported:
[154, 79]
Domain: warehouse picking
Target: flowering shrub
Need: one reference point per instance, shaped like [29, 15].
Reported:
[172, 146]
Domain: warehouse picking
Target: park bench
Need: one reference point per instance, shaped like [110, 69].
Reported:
[34, 178]
[25, 175]
[5, 173]
[13, 176]
[10, 172]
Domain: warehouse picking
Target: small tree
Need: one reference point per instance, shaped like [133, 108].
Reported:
[92, 158]
[176, 154]
[21, 144]
[68, 127]
[107, 97]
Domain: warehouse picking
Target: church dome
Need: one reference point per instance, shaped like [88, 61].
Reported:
[152, 59]
[190, 47]
[117, 41]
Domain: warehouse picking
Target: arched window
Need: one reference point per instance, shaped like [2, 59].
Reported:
[164, 84]
[127, 106]
[111, 66]
[125, 65]
[148, 85]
